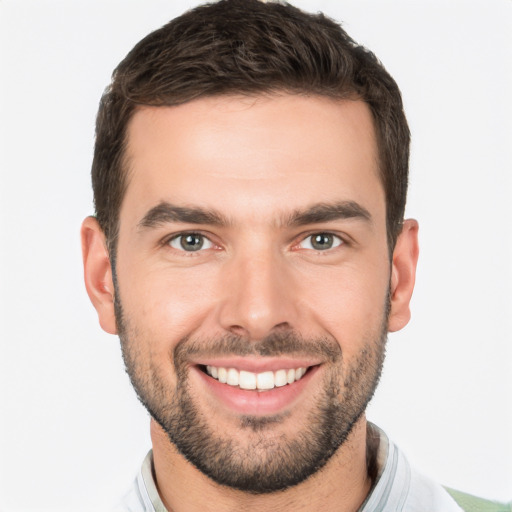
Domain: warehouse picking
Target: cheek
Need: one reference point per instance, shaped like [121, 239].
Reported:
[165, 303]
[349, 303]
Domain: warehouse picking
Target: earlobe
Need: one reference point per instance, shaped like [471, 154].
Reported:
[98, 273]
[403, 275]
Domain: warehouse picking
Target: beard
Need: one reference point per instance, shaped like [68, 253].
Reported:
[260, 458]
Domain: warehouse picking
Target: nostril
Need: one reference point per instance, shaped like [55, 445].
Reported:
[238, 330]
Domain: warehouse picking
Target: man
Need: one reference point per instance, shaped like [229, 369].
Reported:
[250, 251]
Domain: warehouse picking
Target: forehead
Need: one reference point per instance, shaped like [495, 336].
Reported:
[252, 154]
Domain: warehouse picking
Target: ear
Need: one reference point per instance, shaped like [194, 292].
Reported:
[403, 275]
[98, 273]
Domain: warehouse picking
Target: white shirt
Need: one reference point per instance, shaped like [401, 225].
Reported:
[398, 488]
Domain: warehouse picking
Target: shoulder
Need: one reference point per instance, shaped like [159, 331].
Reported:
[470, 503]
[400, 487]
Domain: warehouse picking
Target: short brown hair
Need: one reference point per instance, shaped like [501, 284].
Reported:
[247, 47]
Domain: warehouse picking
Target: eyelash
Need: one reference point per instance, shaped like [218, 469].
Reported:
[337, 241]
[176, 238]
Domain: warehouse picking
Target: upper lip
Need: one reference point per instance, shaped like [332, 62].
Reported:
[257, 364]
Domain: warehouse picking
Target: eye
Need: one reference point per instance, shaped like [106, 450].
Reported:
[190, 242]
[321, 242]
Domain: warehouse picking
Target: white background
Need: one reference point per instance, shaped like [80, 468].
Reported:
[72, 432]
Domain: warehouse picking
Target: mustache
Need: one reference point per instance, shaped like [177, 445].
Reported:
[275, 344]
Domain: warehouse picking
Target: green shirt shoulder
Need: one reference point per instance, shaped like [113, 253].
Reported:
[471, 503]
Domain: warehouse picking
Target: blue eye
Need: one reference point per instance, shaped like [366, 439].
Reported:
[321, 242]
[190, 242]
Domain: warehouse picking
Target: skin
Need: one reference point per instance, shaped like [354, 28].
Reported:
[256, 161]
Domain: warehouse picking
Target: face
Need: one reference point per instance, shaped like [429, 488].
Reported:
[253, 280]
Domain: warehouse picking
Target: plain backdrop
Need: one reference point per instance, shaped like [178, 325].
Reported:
[72, 433]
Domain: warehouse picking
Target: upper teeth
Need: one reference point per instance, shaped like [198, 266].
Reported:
[250, 380]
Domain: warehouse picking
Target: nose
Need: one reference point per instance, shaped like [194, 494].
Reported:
[258, 295]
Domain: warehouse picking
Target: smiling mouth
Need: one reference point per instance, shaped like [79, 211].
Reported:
[264, 381]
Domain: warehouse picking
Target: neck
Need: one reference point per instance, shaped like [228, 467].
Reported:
[342, 484]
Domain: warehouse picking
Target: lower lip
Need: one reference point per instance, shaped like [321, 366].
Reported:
[256, 403]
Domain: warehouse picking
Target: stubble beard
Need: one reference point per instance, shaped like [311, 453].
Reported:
[263, 459]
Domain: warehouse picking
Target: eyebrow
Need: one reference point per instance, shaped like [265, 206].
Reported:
[165, 212]
[325, 212]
